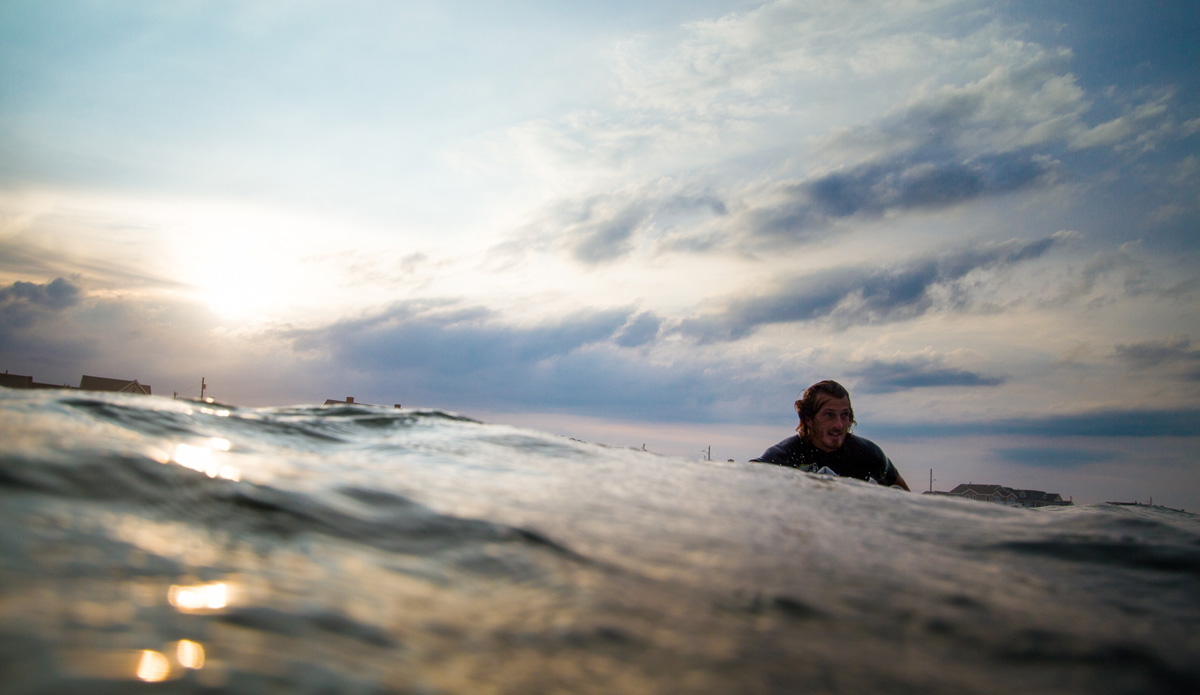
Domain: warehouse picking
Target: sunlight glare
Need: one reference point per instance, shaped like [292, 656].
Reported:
[204, 459]
[190, 654]
[249, 264]
[201, 597]
[153, 666]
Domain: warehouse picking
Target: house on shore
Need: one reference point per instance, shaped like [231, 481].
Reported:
[87, 383]
[18, 381]
[999, 494]
[100, 383]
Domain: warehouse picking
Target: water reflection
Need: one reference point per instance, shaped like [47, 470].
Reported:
[153, 666]
[200, 597]
[189, 654]
[206, 458]
[148, 665]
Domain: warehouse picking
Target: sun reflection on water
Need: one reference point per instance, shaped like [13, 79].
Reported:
[153, 666]
[189, 654]
[200, 597]
[205, 458]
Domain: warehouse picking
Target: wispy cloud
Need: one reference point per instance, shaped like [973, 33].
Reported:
[901, 184]
[605, 227]
[884, 376]
[1175, 353]
[856, 295]
[993, 116]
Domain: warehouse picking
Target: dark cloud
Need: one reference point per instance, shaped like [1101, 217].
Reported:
[877, 188]
[448, 339]
[1112, 423]
[456, 339]
[890, 377]
[1173, 353]
[24, 303]
[641, 330]
[33, 317]
[56, 294]
[458, 356]
[1100, 424]
[858, 295]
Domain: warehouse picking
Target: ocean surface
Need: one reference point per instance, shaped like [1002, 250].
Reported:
[152, 545]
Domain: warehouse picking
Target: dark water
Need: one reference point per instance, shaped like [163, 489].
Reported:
[156, 545]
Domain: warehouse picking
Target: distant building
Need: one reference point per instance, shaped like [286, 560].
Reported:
[1037, 498]
[999, 494]
[17, 381]
[87, 383]
[100, 383]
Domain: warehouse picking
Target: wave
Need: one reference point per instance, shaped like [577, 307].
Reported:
[354, 548]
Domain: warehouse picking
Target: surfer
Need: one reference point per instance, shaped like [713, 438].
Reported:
[823, 442]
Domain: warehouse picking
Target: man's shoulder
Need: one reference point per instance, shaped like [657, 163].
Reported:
[782, 452]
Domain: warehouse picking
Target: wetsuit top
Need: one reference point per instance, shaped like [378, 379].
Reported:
[857, 458]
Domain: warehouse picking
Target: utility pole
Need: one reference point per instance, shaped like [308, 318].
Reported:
[202, 387]
[931, 480]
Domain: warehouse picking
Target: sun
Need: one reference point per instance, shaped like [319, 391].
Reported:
[248, 266]
[235, 297]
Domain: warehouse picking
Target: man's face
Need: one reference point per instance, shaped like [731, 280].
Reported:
[831, 424]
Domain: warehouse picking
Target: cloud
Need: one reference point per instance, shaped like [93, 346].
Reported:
[754, 62]
[1173, 353]
[606, 227]
[922, 372]
[961, 110]
[455, 355]
[56, 294]
[449, 339]
[641, 330]
[24, 303]
[62, 329]
[898, 185]
[1103, 424]
[857, 295]
[1112, 423]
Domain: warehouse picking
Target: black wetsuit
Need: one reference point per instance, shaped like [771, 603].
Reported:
[857, 458]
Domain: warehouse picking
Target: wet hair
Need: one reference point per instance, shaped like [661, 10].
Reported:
[812, 399]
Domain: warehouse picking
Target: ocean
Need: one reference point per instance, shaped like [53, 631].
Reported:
[155, 545]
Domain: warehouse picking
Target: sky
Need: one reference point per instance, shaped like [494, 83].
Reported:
[635, 223]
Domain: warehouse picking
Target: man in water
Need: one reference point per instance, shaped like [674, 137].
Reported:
[824, 442]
